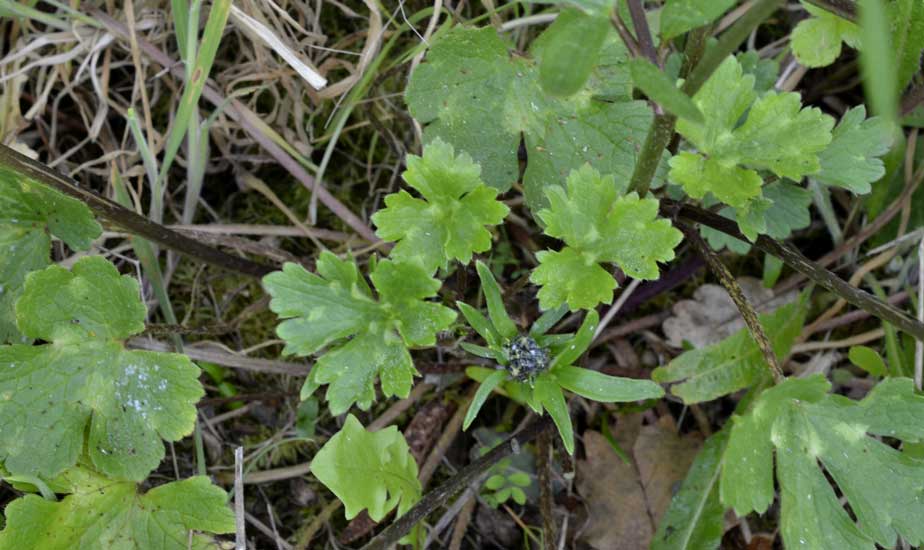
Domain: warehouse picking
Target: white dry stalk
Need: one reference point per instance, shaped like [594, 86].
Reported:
[240, 538]
[919, 345]
[269, 38]
[616, 307]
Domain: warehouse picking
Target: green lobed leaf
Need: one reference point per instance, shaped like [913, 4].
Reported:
[661, 89]
[101, 513]
[473, 93]
[362, 338]
[372, 471]
[694, 520]
[734, 363]
[810, 430]
[680, 16]
[85, 381]
[574, 41]
[788, 211]
[777, 135]
[449, 222]
[29, 214]
[598, 226]
[852, 159]
[816, 41]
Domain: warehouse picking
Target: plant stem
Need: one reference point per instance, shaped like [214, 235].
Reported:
[128, 219]
[731, 39]
[544, 467]
[640, 22]
[794, 259]
[737, 295]
[437, 497]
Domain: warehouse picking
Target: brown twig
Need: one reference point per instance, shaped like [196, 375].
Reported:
[794, 259]
[437, 497]
[737, 295]
[128, 219]
[642, 32]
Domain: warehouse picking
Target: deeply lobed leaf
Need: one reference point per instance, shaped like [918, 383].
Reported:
[777, 135]
[810, 430]
[102, 513]
[598, 225]
[84, 380]
[449, 223]
[359, 338]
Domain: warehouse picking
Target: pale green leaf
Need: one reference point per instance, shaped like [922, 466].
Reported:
[99, 513]
[781, 136]
[599, 226]
[362, 338]
[449, 223]
[480, 323]
[867, 359]
[784, 208]
[372, 471]
[578, 344]
[29, 214]
[694, 518]
[661, 89]
[484, 391]
[852, 159]
[730, 184]
[777, 135]
[496, 310]
[549, 394]
[85, 380]
[816, 41]
[746, 483]
[810, 430]
[573, 43]
[680, 16]
[606, 389]
[734, 363]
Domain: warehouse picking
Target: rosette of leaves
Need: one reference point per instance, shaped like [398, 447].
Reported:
[30, 214]
[359, 336]
[372, 471]
[98, 512]
[83, 393]
[543, 390]
[448, 222]
[599, 223]
[825, 446]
